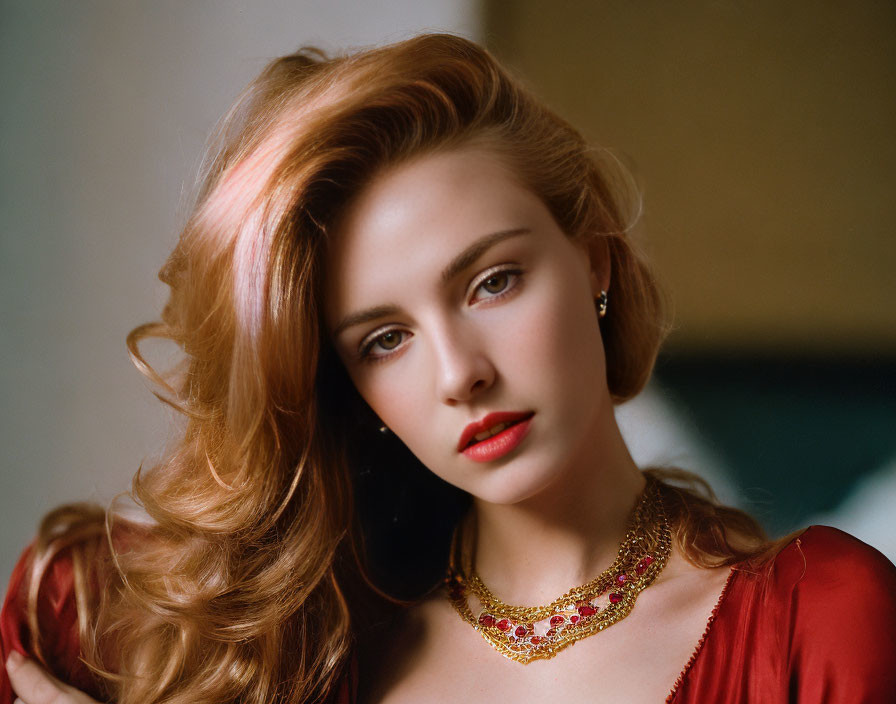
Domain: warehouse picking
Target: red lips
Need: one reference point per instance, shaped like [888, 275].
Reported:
[490, 421]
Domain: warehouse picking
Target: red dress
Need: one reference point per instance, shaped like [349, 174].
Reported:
[815, 625]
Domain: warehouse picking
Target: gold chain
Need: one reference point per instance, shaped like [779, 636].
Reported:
[527, 633]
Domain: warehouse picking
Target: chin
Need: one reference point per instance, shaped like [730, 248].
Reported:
[514, 486]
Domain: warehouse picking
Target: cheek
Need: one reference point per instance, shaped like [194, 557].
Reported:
[398, 398]
[560, 341]
[382, 398]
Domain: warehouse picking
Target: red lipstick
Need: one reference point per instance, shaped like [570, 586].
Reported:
[497, 444]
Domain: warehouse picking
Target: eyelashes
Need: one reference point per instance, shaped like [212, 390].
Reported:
[493, 285]
[366, 352]
[497, 282]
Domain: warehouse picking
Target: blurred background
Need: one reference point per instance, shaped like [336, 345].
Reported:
[761, 135]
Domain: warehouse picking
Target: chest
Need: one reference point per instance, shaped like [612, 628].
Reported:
[442, 659]
[634, 668]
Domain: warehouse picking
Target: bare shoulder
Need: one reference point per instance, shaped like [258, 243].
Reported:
[395, 659]
[684, 599]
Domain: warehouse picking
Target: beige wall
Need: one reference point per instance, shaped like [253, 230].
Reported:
[762, 134]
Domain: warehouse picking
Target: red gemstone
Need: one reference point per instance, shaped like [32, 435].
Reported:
[551, 632]
[557, 620]
[521, 631]
[621, 578]
[615, 597]
[503, 625]
[644, 564]
[574, 619]
[486, 620]
[535, 640]
[587, 610]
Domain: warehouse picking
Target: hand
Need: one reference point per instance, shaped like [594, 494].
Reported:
[34, 685]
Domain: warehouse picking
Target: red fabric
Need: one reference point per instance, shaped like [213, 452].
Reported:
[816, 625]
[58, 618]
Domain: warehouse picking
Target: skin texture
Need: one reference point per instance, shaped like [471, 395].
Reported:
[459, 350]
[449, 353]
[550, 513]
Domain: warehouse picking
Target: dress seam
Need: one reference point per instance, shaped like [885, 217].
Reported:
[699, 647]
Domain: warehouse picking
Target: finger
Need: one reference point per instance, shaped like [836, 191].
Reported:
[32, 683]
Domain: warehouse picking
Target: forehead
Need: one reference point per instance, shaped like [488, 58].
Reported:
[435, 193]
[413, 218]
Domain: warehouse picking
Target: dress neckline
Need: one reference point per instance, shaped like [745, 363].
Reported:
[706, 631]
[735, 572]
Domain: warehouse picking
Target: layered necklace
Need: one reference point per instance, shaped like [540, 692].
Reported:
[527, 633]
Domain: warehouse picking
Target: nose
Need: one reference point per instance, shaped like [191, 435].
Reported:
[463, 368]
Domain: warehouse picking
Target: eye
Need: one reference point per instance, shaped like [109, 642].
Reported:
[389, 340]
[382, 344]
[497, 283]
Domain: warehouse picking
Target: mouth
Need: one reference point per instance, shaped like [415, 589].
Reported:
[488, 427]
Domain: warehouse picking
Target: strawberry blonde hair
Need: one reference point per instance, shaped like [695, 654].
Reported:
[250, 584]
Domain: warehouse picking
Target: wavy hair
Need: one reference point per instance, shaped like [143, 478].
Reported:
[248, 585]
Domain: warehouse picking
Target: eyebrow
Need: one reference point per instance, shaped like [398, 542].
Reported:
[463, 260]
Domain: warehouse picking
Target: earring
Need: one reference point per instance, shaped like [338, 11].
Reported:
[601, 304]
[384, 429]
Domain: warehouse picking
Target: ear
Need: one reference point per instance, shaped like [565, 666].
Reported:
[598, 252]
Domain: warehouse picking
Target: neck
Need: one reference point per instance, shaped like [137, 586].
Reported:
[533, 551]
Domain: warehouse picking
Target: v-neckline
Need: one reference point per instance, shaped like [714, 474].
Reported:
[685, 671]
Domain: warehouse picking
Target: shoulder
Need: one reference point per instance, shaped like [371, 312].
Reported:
[404, 660]
[56, 610]
[824, 561]
[837, 543]
[56, 618]
[834, 599]
[45, 590]
[386, 651]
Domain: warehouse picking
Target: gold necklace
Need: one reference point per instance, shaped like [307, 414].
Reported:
[527, 633]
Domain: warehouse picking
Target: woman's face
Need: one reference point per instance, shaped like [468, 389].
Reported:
[457, 304]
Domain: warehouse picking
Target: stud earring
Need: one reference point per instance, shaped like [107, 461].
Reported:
[601, 304]
[384, 429]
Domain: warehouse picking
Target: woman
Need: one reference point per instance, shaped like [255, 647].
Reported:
[401, 258]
